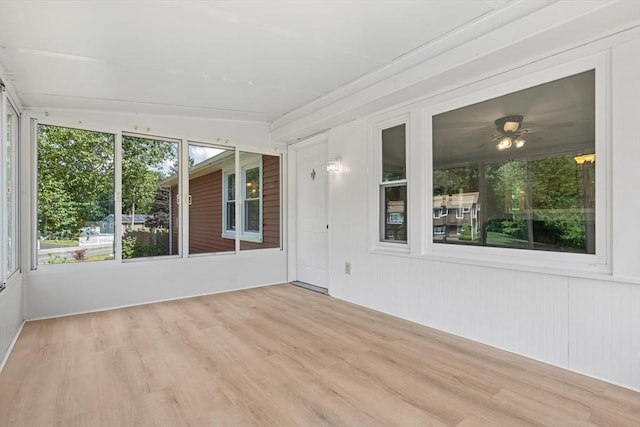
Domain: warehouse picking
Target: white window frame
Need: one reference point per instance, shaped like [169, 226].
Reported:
[12, 186]
[247, 161]
[377, 216]
[524, 258]
[226, 231]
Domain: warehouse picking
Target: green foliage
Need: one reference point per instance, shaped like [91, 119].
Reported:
[144, 164]
[132, 248]
[128, 247]
[75, 178]
[547, 193]
[57, 259]
[451, 181]
[516, 227]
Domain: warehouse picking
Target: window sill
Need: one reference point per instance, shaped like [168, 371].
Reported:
[567, 265]
[254, 238]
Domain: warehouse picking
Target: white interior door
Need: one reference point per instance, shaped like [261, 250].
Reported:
[312, 215]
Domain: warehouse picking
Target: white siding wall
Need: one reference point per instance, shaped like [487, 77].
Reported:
[589, 325]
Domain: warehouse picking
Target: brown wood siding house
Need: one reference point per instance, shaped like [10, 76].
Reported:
[205, 211]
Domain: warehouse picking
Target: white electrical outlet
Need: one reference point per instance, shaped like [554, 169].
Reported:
[347, 268]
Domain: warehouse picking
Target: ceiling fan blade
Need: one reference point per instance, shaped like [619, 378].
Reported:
[537, 127]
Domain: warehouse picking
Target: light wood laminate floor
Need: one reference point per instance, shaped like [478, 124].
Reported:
[283, 356]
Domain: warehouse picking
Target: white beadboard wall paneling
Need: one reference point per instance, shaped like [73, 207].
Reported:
[11, 315]
[520, 312]
[625, 158]
[604, 331]
[64, 289]
[348, 209]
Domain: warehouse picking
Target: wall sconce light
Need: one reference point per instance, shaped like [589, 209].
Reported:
[334, 165]
[585, 158]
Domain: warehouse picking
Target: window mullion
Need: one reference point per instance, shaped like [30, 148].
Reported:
[118, 231]
[239, 221]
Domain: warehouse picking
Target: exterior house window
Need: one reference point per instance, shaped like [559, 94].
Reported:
[527, 175]
[393, 185]
[230, 203]
[251, 199]
[250, 202]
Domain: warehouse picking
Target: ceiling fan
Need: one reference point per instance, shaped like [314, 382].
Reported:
[510, 132]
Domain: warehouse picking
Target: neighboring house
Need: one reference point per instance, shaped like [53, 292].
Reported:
[212, 216]
[452, 214]
[131, 222]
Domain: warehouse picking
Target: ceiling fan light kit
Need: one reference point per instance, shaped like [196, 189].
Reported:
[510, 134]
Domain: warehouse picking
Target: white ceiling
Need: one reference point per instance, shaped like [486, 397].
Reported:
[253, 60]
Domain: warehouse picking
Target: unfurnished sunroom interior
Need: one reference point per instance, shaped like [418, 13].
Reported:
[464, 168]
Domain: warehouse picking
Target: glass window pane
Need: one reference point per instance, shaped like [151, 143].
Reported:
[12, 192]
[252, 215]
[149, 184]
[231, 215]
[455, 205]
[75, 195]
[261, 201]
[252, 183]
[393, 154]
[394, 227]
[210, 210]
[231, 186]
[526, 160]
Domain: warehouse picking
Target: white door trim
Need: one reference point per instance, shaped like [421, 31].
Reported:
[292, 200]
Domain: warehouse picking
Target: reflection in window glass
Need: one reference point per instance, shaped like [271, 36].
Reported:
[149, 175]
[518, 171]
[393, 153]
[395, 213]
[75, 195]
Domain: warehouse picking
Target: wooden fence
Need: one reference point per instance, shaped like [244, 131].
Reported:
[158, 239]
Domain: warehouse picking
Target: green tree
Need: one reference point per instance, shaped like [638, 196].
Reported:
[75, 178]
[144, 163]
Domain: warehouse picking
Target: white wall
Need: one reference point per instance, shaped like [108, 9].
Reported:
[70, 288]
[11, 314]
[589, 323]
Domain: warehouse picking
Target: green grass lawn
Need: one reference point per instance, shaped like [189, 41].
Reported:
[495, 238]
[59, 243]
[102, 257]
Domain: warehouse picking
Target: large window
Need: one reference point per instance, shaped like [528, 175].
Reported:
[207, 211]
[393, 185]
[147, 193]
[518, 171]
[75, 195]
[231, 198]
[10, 219]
